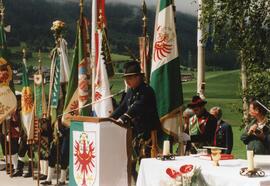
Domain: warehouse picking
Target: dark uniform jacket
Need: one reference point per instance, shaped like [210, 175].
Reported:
[139, 108]
[224, 136]
[256, 144]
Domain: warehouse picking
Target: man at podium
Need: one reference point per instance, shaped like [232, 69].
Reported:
[138, 109]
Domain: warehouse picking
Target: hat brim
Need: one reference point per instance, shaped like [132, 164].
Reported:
[194, 105]
[132, 74]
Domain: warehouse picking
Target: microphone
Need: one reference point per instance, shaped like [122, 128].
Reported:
[89, 104]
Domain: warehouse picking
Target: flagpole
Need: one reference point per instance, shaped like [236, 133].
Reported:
[81, 9]
[201, 54]
[145, 57]
[93, 45]
[5, 138]
[39, 62]
[9, 149]
[181, 144]
[2, 12]
[39, 131]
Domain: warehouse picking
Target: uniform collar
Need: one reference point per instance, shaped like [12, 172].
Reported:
[138, 87]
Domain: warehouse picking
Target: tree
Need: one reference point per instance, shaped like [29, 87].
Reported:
[244, 26]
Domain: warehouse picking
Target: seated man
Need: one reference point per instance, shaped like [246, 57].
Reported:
[224, 133]
[257, 134]
[202, 125]
[138, 109]
[187, 114]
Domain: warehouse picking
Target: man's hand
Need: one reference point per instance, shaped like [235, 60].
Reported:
[116, 121]
[252, 129]
[120, 121]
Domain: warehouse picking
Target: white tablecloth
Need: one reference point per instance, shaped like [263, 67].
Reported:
[152, 172]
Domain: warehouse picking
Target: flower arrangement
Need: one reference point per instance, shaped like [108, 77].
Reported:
[188, 175]
[58, 26]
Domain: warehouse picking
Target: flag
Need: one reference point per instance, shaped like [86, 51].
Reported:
[144, 56]
[165, 72]
[93, 44]
[144, 46]
[8, 102]
[99, 22]
[3, 47]
[27, 104]
[77, 90]
[102, 106]
[59, 76]
[64, 66]
[83, 62]
[40, 99]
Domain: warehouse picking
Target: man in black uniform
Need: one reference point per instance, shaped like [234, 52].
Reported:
[138, 109]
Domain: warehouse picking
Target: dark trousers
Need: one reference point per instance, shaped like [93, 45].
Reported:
[14, 146]
[24, 148]
[63, 153]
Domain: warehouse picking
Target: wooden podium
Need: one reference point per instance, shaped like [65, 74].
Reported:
[99, 152]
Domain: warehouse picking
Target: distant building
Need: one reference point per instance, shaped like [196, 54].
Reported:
[187, 77]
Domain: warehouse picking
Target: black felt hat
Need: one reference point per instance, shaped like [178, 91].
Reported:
[197, 101]
[132, 68]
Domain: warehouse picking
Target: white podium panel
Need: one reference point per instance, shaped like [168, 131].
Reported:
[98, 154]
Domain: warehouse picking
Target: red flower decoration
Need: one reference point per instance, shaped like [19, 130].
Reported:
[172, 173]
[186, 168]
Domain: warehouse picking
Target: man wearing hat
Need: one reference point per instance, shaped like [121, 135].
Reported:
[138, 108]
[202, 125]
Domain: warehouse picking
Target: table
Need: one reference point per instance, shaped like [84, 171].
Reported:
[152, 172]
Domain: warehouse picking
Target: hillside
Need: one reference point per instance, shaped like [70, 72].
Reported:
[31, 21]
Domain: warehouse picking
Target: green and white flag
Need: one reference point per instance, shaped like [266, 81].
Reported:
[165, 71]
[27, 115]
[59, 77]
[40, 99]
[77, 91]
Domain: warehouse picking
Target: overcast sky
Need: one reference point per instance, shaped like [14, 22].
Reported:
[186, 6]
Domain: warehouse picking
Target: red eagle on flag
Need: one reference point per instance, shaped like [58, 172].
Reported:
[162, 46]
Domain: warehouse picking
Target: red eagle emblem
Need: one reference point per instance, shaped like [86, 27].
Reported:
[74, 107]
[84, 156]
[162, 46]
[98, 96]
